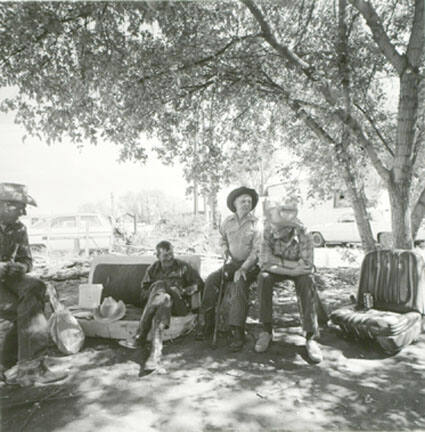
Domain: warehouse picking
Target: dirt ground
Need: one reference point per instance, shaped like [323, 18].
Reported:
[356, 387]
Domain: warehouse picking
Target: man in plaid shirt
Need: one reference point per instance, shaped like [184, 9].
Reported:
[287, 253]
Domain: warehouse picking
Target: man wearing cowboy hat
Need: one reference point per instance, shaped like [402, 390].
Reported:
[240, 241]
[287, 253]
[22, 297]
[167, 288]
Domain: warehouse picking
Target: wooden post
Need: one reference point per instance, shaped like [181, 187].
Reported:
[87, 249]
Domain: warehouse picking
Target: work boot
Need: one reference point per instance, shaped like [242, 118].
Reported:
[263, 342]
[237, 339]
[313, 351]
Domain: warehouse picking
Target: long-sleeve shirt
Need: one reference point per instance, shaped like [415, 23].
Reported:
[241, 238]
[180, 275]
[288, 243]
[14, 236]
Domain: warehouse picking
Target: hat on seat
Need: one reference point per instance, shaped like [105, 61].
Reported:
[16, 192]
[110, 310]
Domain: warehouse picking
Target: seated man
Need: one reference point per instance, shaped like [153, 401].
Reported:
[167, 288]
[24, 334]
[287, 253]
[240, 240]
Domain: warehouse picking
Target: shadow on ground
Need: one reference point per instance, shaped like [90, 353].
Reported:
[356, 387]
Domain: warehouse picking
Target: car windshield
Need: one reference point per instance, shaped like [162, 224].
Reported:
[43, 223]
[56, 222]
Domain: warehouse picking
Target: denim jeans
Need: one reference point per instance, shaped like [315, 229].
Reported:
[161, 305]
[239, 295]
[310, 308]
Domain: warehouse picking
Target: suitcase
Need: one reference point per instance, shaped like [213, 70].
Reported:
[396, 280]
[392, 330]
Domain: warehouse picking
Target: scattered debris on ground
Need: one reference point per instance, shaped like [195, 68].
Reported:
[356, 387]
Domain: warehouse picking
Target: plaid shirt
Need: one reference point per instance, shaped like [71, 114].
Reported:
[241, 238]
[286, 243]
[14, 236]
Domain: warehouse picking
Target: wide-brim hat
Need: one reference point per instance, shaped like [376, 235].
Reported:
[243, 190]
[16, 192]
[110, 310]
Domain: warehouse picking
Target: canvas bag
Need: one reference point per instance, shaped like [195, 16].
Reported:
[64, 328]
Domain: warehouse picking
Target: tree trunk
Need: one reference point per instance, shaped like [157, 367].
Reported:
[418, 213]
[357, 197]
[212, 201]
[400, 181]
[195, 197]
[400, 215]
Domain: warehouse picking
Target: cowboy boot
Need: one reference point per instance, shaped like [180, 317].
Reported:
[153, 362]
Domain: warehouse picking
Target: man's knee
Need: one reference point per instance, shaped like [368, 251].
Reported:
[31, 286]
[264, 278]
[305, 281]
[163, 300]
[211, 287]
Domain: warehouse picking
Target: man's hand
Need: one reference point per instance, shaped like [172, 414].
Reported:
[225, 254]
[189, 290]
[15, 269]
[175, 290]
[240, 273]
[3, 269]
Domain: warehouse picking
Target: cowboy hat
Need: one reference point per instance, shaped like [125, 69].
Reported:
[238, 192]
[15, 192]
[287, 204]
[110, 310]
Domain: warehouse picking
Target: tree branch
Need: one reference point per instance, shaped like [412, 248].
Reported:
[322, 86]
[198, 62]
[364, 142]
[44, 34]
[415, 48]
[300, 112]
[372, 123]
[381, 38]
[269, 37]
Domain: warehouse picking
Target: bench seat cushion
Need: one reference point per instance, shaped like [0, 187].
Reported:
[392, 330]
[126, 327]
